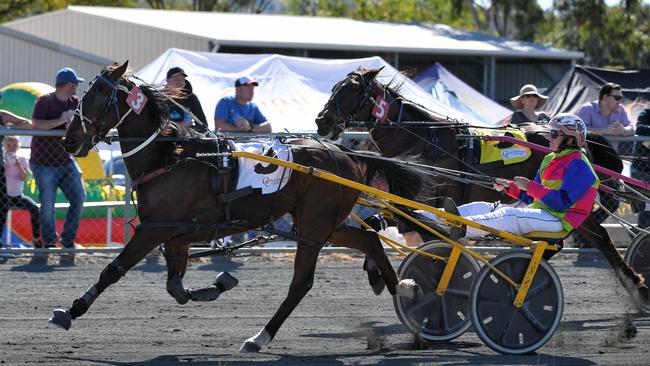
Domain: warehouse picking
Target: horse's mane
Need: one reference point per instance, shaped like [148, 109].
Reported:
[395, 86]
[157, 105]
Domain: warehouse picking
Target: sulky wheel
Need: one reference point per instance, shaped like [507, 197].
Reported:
[637, 255]
[433, 317]
[502, 326]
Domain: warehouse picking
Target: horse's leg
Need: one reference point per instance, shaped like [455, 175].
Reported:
[598, 235]
[377, 283]
[142, 242]
[303, 279]
[368, 242]
[176, 256]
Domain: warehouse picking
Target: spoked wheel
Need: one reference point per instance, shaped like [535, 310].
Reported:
[433, 317]
[502, 326]
[637, 256]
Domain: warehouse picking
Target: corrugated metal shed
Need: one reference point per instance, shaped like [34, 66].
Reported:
[27, 58]
[496, 66]
[83, 27]
[118, 38]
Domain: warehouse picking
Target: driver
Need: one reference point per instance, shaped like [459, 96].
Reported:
[559, 198]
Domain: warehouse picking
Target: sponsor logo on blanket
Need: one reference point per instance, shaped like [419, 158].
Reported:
[514, 153]
[269, 177]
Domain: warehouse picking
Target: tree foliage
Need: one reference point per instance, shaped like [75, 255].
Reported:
[13, 9]
[244, 6]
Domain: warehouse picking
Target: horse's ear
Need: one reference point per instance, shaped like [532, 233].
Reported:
[120, 70]
[371, 74]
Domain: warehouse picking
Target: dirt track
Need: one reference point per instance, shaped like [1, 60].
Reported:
[135, 322]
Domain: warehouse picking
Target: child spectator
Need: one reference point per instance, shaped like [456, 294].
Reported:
[16, 170]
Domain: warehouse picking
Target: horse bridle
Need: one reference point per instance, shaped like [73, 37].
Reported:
[111, 102]
[339, 120]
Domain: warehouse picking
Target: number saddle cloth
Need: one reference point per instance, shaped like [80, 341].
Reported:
[257, 174]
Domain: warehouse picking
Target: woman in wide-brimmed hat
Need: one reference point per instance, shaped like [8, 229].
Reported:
[526, 104]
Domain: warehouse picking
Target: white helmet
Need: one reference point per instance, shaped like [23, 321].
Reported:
[570, 125]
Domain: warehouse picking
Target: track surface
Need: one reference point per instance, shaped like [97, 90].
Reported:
[340, 322]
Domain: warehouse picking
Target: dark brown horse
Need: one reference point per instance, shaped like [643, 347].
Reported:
[178, 204]
[353, 99]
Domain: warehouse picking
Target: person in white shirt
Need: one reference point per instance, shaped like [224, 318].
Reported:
[16, 171]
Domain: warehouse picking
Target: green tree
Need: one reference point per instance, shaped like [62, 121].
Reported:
[518, 19]
[429, 11]
[609, 36]
[10, 10]
[243, 6]
[328, 8]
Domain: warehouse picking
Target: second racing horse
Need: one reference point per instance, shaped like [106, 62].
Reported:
[354, 98]
[176, 214]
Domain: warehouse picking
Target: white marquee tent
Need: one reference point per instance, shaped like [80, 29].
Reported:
[292, 89]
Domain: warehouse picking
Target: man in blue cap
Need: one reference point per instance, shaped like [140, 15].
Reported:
[52, 166]
[238, 112]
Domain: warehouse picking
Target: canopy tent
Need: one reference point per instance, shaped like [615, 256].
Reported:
[292, 90]
[582, 84]
[455, 93]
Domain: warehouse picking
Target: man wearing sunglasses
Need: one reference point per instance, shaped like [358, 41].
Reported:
[559, 198]
[606, 116]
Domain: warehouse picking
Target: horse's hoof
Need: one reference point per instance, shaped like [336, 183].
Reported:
[204, 294]
[249, 347]
[410, 289]
[226, 280]
[379, 286]
[61, 318]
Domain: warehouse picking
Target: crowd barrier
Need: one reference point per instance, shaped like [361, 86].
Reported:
[107, 209]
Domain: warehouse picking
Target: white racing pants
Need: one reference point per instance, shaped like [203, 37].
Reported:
[513, 219]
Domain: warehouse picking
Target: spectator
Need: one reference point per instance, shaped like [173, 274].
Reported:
[606, 116]
[238, 112]
[526, 103]
[641, 167]
[52, 166]
[8, 119]
[181, 91]
[16, 169]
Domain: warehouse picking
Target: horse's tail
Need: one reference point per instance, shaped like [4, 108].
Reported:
[603, 154]
[403, 180]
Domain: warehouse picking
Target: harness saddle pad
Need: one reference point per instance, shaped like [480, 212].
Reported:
[495, 151]
[257, 174]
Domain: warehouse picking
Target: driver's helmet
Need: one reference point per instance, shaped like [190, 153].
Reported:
[570, 125]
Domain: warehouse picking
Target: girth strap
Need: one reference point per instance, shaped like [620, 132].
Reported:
[152, 175]
[234, 195]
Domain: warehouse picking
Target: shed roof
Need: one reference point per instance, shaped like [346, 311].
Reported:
[306, 32]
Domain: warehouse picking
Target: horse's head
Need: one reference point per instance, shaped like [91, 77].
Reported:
[100, 109]
[350, 100]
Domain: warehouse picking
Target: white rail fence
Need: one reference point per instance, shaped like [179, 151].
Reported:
[109, 220]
